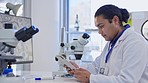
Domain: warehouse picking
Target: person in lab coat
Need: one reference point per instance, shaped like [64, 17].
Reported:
[125, 56]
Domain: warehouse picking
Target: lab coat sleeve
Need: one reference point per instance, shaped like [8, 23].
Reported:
[134, 63]
[93, 67]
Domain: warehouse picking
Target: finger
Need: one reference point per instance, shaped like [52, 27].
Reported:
[81, 69]
[65, 65]
[68, 69]
[71, 72]
[74, 64]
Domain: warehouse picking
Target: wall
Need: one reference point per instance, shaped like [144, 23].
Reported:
[138, 18]
[45, 16]
[130, 5]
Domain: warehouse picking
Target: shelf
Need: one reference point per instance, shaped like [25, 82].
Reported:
[91, 30]
[77, 32]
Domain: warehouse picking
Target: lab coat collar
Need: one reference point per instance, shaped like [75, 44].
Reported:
[123, 36]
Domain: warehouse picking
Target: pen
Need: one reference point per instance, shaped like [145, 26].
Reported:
[44, 78]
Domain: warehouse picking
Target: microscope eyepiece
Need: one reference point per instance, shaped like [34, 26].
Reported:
[85, 36]
[25, 33]
[32, 30]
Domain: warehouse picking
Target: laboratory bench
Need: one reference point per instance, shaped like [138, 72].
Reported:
[29, 77]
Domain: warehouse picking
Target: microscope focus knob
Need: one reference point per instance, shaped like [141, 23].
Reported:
[72, 47]
[62, 44]
[56, 59]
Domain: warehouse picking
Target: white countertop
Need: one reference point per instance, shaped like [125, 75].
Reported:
[56, 80]
[29, 77]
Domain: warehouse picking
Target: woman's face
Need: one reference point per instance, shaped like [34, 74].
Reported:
[108, 30]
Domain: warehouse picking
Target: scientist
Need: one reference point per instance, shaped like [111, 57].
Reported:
[125, 56]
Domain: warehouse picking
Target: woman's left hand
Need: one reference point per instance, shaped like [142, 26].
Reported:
[82, 75]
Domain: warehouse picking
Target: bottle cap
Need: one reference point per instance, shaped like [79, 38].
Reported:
[37, 78]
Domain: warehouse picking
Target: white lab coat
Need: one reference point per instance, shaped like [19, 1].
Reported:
[128, 61]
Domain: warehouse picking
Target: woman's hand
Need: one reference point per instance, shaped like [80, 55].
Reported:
[82, 75]
[69, 70]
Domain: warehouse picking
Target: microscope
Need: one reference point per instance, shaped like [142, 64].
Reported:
[75, 48]
[9, 38]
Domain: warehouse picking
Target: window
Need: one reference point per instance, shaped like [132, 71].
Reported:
[81, 19]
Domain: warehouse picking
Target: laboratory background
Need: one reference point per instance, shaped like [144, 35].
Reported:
[57, 22]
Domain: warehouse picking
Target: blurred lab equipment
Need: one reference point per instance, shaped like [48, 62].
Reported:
[77, 23]
[13, 30]
[16, 9]
[144, 30]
